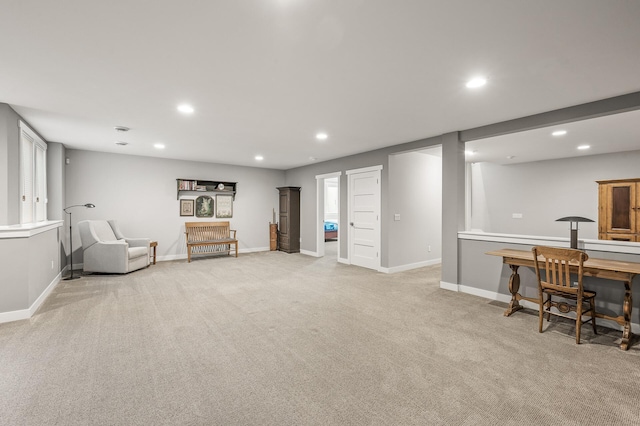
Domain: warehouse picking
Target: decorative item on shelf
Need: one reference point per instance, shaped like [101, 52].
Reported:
[186, 207]
[574, 227]
[224, 206]
[204, 206]
[206, 186]
[88, 206]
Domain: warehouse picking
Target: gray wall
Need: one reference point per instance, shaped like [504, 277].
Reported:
[9, 166]
[140, 193]
[544, 191]
[305, 178]
[28, 266]
[416, 195]
[484, 272]
[56, 153]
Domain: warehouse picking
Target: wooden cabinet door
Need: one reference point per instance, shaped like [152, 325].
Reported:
[621, 202]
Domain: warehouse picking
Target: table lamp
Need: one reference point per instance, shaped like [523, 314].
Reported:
[574, 227]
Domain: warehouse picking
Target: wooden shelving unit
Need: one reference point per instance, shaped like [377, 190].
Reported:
[194, 186]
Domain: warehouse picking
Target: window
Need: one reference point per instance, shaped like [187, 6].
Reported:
[33, 176]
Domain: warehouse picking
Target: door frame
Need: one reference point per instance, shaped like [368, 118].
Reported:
[349, 174]
[320, 212]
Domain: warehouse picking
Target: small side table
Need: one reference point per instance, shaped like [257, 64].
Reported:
[154, 245]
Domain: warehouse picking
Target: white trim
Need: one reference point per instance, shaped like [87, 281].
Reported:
[344, 261]
[28, 229]
[448, 286]
[364, 170]
[309, 253]
[532, 240]
[28, 313]
[320, 216]
[491, 295]
[410, 266]
[329, 175]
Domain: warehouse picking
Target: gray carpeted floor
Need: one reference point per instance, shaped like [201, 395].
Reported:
[277, 339]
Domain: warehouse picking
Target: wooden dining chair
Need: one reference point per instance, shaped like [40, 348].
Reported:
[556, 264]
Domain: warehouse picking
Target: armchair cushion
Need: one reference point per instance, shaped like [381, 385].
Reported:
[106, 250]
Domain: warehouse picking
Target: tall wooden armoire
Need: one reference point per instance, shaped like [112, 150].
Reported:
[289, 216]
[619, 210]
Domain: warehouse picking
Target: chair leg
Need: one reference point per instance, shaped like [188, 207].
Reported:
[540, 315]
[592, 304]
[549, 305]
[578, 321]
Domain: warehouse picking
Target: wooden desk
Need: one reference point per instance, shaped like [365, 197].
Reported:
[600, 268]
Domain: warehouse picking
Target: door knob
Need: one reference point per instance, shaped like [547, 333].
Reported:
[351, 223]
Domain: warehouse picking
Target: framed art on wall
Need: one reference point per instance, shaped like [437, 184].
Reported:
[186, 207]
[224, 206]
[204, 206]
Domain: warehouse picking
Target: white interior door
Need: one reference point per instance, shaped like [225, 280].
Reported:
[364, 217]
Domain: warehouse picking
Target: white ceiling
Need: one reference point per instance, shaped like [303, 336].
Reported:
[265, 75]
[612, 133]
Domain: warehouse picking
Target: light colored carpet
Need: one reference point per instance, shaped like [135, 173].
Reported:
[277, 339]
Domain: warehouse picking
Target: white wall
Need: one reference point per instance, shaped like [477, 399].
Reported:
[331, 211]
[140, 193]
[544, 191]
[415, 194]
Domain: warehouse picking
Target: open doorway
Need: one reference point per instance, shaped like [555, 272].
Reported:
[331, 216]
[328, 215]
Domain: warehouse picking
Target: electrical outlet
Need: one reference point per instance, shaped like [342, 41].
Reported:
[52, 265]
[396, 216]
[517, 215]
[429, 249]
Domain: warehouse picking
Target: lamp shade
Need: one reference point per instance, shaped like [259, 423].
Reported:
[574, 219]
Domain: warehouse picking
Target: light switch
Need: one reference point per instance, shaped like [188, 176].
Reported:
[517, 215]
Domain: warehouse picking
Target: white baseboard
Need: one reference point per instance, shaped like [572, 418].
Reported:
[410, 266]
[309, 253]
[28, 313]
[506, 298]
[448, 286]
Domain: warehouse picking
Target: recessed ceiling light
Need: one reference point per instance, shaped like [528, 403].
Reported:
[158, 145]
[510, 157]
[476, 82]
[185, 109]
[259, 157]
[584, 147]
[559, 133]
[312, 158]
[322, 136]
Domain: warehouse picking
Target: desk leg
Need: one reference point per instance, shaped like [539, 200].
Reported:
[626, 313]
[514, 286]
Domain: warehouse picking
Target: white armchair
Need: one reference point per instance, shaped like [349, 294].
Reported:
[105, 249]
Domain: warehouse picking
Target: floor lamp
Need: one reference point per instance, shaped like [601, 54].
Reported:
[89, 206]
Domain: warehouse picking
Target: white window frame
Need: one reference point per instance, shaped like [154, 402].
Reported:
[33, 205]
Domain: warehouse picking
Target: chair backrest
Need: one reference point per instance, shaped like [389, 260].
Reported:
[207, 231]
[94, 231]
[557, 264]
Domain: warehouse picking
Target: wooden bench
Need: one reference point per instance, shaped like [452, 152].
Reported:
[209, 237]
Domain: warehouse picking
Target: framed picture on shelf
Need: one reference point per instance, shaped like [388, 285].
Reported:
[186, 207]
[204, 206]
[224, 205]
